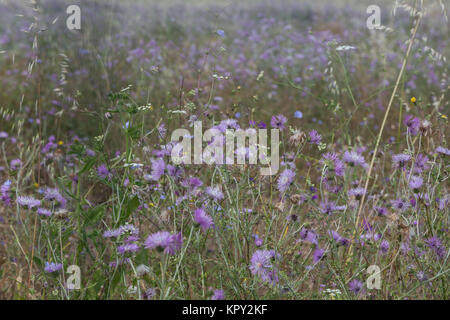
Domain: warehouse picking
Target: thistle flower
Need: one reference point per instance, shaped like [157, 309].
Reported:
[27, 201]
[158, 167]
[44, 212]
[381, 211]
[150, 293]
[415, 183]
[125, 229]
[400, 205]
[309, 236]
[4, 192]
[384, 246]
[214, 192]
[15, 164]
[127, 247]
[52, 194]
[192, 183]
[330, 207]
[103, 172]
[354, 159]
[421, 164]
[261, 264]
[339, 239]
[204, 220]
[52, 267]
[163, 240]
[435, 244]
[278, 122]
[356, 192]
[314, 137]
[318, 254]
[400, 160]
[285, 180]
[443, 151]
[413, 124]
[219, 294]
[355, 286]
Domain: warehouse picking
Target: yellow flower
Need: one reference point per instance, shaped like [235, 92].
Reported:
[443, 116]
[60, 143]
[36, 185]
[413, 99]
[151, 204]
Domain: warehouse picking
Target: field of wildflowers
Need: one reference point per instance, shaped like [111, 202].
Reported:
[93, 205]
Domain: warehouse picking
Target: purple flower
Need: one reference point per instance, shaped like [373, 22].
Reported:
[421, 164]
[192, 183]
[52, 267]
[26, 201]
[150, 293]
[309, 236]
[261, 264]
[44, 212]
[412, 123]
[127, 247]
[219, 294]
[381, 211]
[278, 121]
[399, 160]
[355, 286]
[329, 207]
[356, 192]
[203, 219]
[298, 114]
[214, 192]
[384, 246]
[15, 164]
[163, 240]
[339, 239]
[158, 167]
[443, 151]
[353, 159]
[103, 172]
[221, 33]
[339, 168]
[125, 229]
[285, 179]
[314, 137]
[435, 244]
[415, 182]
[52, 194]
[4, 192]
[3, 135]
[318, 254]
[400, 205]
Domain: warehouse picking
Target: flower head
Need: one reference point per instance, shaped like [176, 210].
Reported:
[52, 267]
[314, 137]
[278, 122]
[26, 201]
[285, 179]
[415, 182]
[204, 220]
[261, 264]
[164, 241]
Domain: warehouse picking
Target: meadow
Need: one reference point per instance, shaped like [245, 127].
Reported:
[93, 205]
